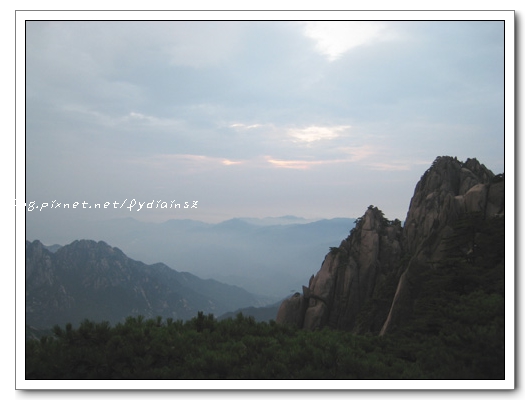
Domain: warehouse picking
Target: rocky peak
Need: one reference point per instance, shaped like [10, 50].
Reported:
[93, 261]
[90, 249]
[379, 254]
[448, 174]
[440, 197]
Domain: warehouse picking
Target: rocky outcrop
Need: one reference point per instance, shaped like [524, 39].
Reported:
[348, 276]
[379, 255]
[446, 191]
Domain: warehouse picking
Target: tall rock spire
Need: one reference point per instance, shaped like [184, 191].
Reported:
[364, 285]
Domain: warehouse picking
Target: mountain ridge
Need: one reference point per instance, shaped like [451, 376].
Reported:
[89, 279]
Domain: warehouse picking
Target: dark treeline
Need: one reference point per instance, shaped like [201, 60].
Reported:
[241, 348]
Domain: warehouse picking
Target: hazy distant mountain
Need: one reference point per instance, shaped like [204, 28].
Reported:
[52, 248]
[261, 314]
[280, 220]
[88, 279]
[268, 256]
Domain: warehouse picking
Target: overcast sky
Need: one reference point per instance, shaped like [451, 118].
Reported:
[256, 119]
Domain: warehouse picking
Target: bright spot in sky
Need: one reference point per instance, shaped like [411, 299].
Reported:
[334, 38]
[313, 133]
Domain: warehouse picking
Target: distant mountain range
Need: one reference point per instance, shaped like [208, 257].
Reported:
[268, 256]
[92, 280]
[260, 314]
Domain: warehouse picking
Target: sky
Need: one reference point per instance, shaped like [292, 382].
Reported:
[316, 119]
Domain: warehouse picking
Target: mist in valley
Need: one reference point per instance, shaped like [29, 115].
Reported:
[270, 257]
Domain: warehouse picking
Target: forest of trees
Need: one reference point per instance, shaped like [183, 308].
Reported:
[242, 348]
[457, 332]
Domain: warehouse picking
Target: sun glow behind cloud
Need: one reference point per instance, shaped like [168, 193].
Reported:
[314, 133]
[334, 38]
[229, 162]
[341, 156]
[244, 126]
[292, 164]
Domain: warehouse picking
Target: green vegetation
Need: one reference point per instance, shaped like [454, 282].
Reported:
[334, 250]
[241, 348]
[460, 301]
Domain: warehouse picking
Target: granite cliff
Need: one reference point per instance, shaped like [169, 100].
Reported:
[368, 284]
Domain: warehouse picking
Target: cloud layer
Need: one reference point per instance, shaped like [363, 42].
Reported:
[316, 119]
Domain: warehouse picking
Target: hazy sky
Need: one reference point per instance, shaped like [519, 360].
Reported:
[255, 119]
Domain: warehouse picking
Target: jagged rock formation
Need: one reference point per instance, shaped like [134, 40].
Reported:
[446, 190]
[380, 257]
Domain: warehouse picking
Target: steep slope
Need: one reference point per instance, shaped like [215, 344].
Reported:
[348, 276]
[367, 284]
[88, 279]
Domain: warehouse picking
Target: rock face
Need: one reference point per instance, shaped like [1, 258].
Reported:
[379, 255]
[446, 190]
